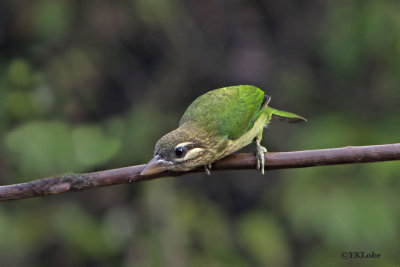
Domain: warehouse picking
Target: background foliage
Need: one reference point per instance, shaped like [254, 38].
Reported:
[91, 85]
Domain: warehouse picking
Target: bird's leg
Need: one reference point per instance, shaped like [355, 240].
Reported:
[260, 153]
[207, 168]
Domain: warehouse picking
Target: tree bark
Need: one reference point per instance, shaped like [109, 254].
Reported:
[240, 161]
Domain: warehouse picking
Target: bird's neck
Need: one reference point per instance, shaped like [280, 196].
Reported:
[198, 135]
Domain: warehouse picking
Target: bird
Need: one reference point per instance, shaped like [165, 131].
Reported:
[216, 124]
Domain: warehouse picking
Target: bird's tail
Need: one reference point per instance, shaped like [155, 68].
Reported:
[286, 116]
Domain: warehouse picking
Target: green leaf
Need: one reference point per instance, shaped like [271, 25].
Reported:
[264, 239]
[40, 148]
[20, 73]
[52, 19]
[92, 147]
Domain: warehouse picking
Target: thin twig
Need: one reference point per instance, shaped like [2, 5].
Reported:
[241, 161]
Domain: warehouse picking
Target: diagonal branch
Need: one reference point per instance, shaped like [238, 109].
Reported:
[241, 161]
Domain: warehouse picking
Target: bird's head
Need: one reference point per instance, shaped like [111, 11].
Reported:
[178, 150]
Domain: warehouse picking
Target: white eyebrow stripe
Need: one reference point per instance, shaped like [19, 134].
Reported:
[184, 144]
[191, 154]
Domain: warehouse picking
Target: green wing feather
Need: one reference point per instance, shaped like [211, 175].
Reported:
[228, 111]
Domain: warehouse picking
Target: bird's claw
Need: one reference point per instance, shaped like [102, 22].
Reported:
[208, 168]
[260, 158]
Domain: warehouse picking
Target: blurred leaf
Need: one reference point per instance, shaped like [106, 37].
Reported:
[20, 73]
[118, 227]
[264, 239]
[114, 127]
[40, 148]
[332, 257]
[333, 130]
[206, 229]
[82, 233]
[381, 27]
[144, 125]
[19, 105]
[360, 32]
[42, 99]
[382, 175]
[342, 38]
[92, 147]
[18, 239]
[155, 11]
[52, 19]
[344, 214]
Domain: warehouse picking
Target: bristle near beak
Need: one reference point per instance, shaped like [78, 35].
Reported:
[155, 165]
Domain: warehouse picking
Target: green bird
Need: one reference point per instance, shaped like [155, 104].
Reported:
[215, 125]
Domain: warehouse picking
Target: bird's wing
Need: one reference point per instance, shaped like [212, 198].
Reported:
[228, 111]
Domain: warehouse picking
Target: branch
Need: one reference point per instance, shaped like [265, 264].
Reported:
[241, 161]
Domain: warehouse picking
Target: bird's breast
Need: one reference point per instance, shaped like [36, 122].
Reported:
[245, 139]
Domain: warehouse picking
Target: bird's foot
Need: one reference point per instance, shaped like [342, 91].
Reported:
[208, 168]
[260, 157]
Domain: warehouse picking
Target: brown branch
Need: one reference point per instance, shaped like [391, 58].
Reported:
[275, 160]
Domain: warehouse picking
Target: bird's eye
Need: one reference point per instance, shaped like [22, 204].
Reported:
[180, 151]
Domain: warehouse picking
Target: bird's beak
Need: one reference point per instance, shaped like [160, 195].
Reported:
[155, 165]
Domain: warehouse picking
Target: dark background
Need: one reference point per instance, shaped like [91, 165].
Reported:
[92, 85]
